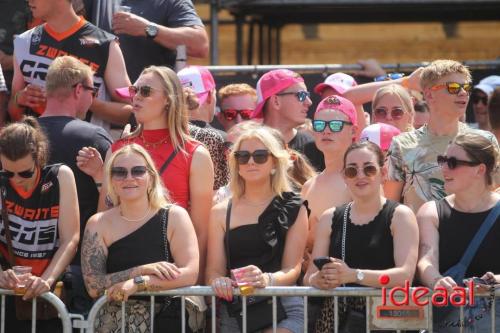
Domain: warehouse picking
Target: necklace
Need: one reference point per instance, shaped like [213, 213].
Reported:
[255, 204]
[152, 145]
[135, 220]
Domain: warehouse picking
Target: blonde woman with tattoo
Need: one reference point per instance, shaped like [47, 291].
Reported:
[144, 243]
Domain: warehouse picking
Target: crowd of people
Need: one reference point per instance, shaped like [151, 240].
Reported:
[169, 200]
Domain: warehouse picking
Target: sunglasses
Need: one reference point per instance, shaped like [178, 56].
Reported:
[369, 171]
[453, 162]
[389, 77]
[121, 173]
[334, 125]
[23, 174]
[144, 91]
[301, 95]
[231, 114]
[454, 87]
[396, 113]
[94, 90]
[475, 99]
[260, 156]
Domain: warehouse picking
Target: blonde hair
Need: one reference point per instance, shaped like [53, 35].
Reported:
[279, 180]
[440, 68]
[63, 73]
[177, 116]
[158, 196]
[237, 89]
[402, 94]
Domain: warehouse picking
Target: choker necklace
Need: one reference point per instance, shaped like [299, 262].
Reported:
[256, 204]
[135, 220]
[152, 145]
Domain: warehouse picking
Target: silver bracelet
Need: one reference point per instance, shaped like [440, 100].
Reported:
[271, 279]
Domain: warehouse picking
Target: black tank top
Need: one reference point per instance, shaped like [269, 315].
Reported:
[143, 246]
[456, 230]
[367, 246]
[262, 244]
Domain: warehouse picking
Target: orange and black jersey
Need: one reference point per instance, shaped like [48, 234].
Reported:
[33, 220]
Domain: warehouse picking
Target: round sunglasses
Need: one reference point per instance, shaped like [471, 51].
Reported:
[23, 174]
[334, 125]
[352, 171]
[121, 173]
[301, 95]
[144, 91]
[230, 114]
[454, 87]
[259, 156]
[382, 113]
[453, 162]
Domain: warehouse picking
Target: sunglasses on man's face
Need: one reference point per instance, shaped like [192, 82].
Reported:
[454, 87]
[334, 125]
[301, 95]
[453, 162]
[231, 114]
[475, 99]
[121, 173]
[259, 156]
[94, 90]
[23, 174]
[144, 91]
[352, 171]
[382, 113]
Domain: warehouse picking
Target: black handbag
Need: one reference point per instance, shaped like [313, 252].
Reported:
[259, 308]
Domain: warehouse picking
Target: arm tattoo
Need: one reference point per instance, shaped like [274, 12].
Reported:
[94, 265]
[429, 252]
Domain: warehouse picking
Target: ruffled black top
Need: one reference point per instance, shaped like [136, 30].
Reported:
[262, 244]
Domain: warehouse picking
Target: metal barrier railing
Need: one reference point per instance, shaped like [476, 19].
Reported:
[305, 292]
[49, 297]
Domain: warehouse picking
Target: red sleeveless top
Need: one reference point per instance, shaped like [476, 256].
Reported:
[176, 177]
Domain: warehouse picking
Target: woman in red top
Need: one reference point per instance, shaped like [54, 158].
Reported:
[159, 107]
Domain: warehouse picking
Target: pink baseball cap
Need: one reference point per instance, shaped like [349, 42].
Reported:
[272, 83]
[339, 82]
[381, 134]
[341, 104]
[199, 79]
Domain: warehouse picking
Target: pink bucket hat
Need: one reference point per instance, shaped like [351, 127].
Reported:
[380, 134]
[272, 83]
[341, 104]
[199, 79]
[339, 82]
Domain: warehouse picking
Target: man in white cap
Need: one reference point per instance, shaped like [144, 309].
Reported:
[480, 97]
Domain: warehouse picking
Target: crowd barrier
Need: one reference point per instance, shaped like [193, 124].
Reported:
[63, 313]
[372, 296]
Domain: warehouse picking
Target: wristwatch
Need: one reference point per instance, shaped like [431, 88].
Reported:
[140, 283]
[359, 275]
[151, 31]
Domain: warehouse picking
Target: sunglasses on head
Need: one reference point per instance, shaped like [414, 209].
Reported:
[121, 173]
[453, 162]
[396, 113]
[389, 77]
[352, 171]
[23, 174]
[334, 125]
[454, 87]
[144, 91]
[301, 95]
[475, 99]
[260, 156]
[94, 90]
[231, 114]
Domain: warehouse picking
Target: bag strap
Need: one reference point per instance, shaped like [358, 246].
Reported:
[164, 225]
[226, 236]
[6, 224]
[479, 236]
[167, 161]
